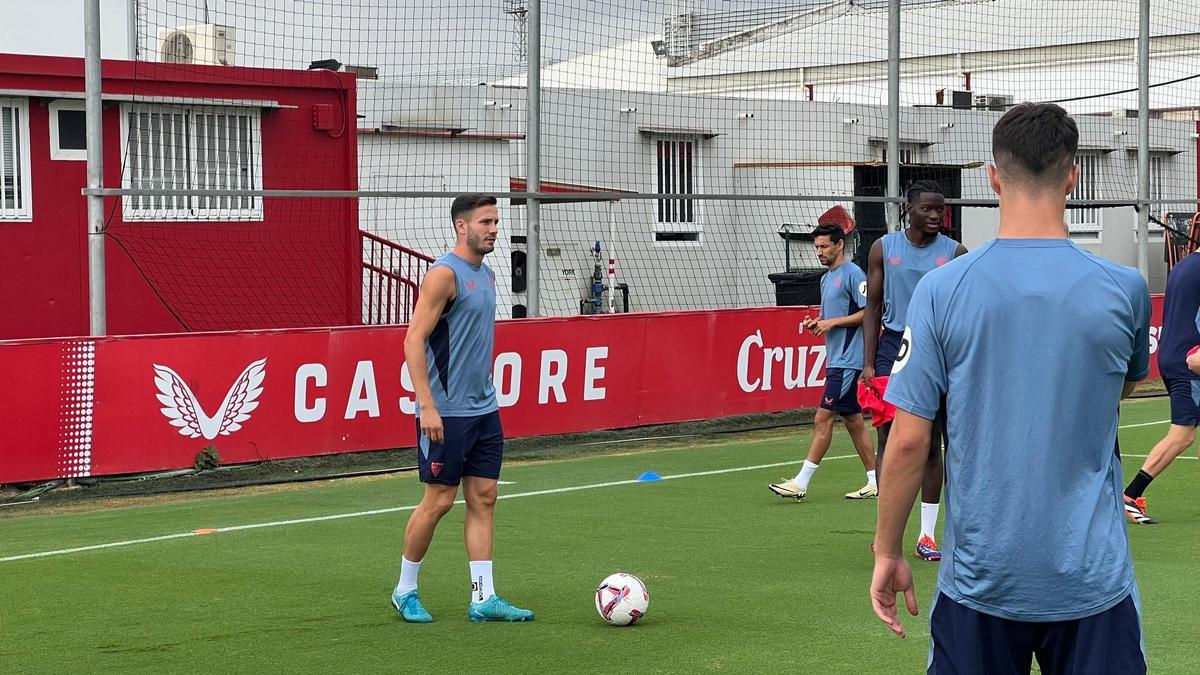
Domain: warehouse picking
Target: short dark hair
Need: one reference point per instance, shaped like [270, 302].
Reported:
[830, 230]
[1035, 142]
[465, 204]
[921, 187]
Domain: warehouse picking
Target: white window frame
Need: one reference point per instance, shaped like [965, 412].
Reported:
[1161, 165]
[908, 153]
[57, 152]
[193, 208]
[1086, 222]
[19, 154]
[675, 216]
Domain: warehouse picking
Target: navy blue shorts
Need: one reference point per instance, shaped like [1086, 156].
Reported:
[886, 352]
[841, 391]
[473, 446]
[1185, 401]
[967, 641]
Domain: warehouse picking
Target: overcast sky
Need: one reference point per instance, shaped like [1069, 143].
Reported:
[454, 40]
[55, 27]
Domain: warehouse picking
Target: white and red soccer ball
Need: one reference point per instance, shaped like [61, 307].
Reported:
[622, 599]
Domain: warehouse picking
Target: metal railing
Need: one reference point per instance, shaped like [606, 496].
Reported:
[392, 275]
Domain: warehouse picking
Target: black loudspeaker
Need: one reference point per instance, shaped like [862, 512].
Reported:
[519, 311]
[518, 271]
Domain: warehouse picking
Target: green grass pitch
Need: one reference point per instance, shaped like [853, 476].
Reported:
[739, 580]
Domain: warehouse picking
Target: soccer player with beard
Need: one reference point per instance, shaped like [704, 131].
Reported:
[843, 293]
[448, 348]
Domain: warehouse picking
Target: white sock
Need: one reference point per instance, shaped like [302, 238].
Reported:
[871, 479]
[929, 514]
[481, 580]
[408, 575]
[806, 474]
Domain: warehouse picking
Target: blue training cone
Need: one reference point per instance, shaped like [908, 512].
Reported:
[649, 476]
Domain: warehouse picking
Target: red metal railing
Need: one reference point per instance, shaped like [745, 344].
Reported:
[392, 277]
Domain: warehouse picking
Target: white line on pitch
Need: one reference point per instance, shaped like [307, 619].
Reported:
[1143, 424]
[395, 509]
[95, 547]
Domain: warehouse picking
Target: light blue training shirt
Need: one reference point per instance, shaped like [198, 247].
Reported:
[459, 349]
[843, 292]
[1030, 340]
[904, 263]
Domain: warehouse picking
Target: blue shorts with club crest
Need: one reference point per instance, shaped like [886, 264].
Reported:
[473, 446]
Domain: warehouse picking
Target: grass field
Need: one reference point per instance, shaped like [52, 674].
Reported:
[740, 580]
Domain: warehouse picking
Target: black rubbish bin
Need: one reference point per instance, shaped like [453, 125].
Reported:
[797, 288]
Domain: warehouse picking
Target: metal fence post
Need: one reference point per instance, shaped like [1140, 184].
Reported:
[533, 148]
[95, 168]
[131, 25]
[893, 141]
[1143, 164]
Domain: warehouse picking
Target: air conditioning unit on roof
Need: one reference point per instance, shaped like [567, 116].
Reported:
[206, 44]
[992, 102]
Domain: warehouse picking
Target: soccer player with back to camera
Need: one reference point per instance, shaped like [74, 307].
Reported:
[896, 263]
[448, 348]
[843, 293]
[1176, 345]
[1032, 342]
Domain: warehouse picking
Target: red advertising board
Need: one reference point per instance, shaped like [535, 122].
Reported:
[133, 404]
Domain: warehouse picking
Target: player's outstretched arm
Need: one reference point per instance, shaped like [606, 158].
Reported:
[436, 290]
[907, 452]
[873, 313]
[961, 250]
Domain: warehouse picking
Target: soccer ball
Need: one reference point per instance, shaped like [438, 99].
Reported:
[622, 599]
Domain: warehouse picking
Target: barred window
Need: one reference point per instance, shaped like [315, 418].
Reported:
[197, 148]
[15, 194]
[676, 175]
[1087, 187]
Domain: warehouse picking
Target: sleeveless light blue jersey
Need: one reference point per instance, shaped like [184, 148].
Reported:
[904, 264]
[460, 348]
[1030, 342]
[843, 292]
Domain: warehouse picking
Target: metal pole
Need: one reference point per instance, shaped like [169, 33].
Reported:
[612, 259]
[533, 149]
[1143, 190]
[95, 167]
[893, 143]
[131, 26]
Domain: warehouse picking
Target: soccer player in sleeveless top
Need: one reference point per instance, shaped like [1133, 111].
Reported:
[843, 293]
[896, 263]
[1032, 342]
[448, 349]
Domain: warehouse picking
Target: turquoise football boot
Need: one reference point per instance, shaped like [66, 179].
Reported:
[496, 608]
[410, 608]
